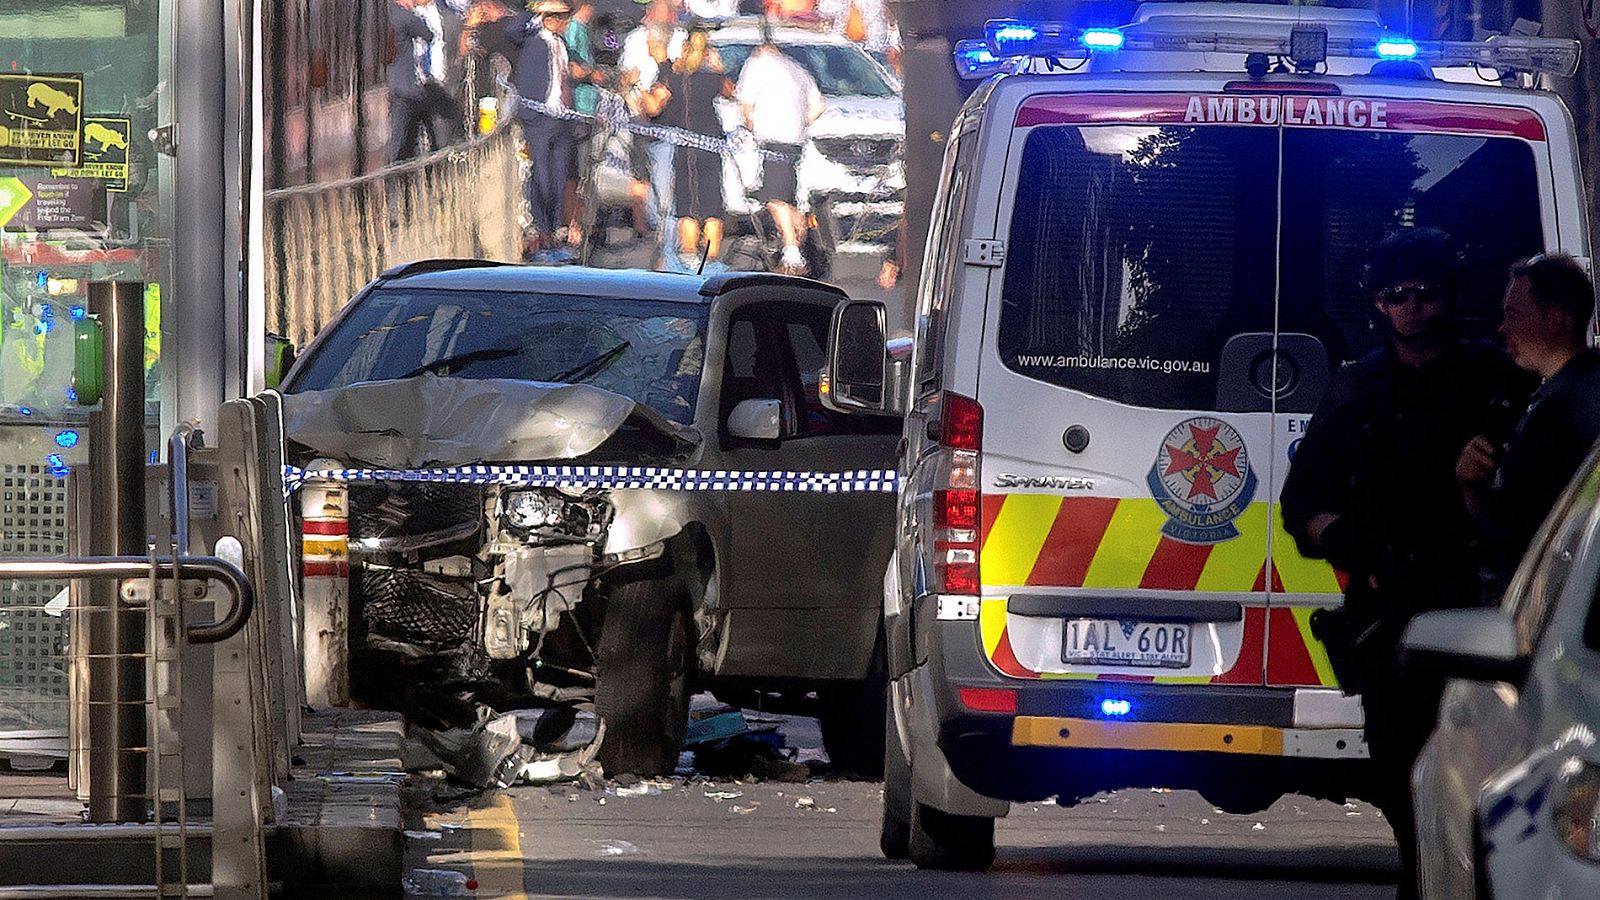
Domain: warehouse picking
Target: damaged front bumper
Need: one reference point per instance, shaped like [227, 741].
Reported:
[488, 571]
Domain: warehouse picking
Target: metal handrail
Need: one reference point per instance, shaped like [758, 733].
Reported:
[178, 463]
[102, 567]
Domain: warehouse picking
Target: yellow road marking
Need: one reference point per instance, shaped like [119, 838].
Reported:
[497, 860]
[1049, 731]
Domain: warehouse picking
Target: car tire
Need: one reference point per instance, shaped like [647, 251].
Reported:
[646, 663]
[852, 720]
[895, 838]
[947, 842]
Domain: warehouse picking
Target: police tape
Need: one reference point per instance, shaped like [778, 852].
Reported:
[648, 478]
[614, 115]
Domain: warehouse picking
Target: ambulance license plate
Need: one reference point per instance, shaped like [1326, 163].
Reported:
[1125, 642]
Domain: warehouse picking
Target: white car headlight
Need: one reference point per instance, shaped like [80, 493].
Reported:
[529, 509]
[1576, 811]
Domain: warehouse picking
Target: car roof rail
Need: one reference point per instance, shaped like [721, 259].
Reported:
[717, 285]
[424, 266]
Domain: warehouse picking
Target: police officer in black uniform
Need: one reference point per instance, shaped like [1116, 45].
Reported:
[1373, 490]
[1512, 487]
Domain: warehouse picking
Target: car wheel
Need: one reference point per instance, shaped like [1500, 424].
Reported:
[940, 840]
[852, 720]
[895, 838]
[646, 661]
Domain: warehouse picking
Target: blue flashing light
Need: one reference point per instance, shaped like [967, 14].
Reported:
[42, 280]
[154, 454]
[47, 311]
[66, 440]
[1102, 39]
[77, 313]
[1015, 33]
[1115, 706]
[973, 60]
[1397, 48]
[27, 411]
[43, 326]
[72, 394]
[58, 467]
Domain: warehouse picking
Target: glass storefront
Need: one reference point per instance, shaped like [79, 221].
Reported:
[82, 199]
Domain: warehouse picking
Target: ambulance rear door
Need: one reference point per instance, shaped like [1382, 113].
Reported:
[1128, 437]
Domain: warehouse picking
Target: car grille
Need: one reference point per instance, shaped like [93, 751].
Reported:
[394, 526]
[861, 155]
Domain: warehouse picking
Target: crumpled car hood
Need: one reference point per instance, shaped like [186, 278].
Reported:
[430, 421]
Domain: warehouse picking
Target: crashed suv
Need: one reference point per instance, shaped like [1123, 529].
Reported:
[589, 587]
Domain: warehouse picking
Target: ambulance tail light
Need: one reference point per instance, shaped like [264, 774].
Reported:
[957, 498]
[995, 700]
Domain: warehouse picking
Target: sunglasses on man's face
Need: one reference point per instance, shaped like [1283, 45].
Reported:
[1401, 293]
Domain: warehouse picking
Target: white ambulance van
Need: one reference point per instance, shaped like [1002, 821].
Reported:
[1144, 266]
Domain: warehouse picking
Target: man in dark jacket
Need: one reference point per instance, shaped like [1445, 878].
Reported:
[1372, 489]
[542, 73]
[419, 100]
[1512, 486]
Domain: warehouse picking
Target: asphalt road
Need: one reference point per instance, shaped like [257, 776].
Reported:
[694, 840]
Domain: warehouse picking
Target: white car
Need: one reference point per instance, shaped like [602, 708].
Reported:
[1507, 790]
[852, 163]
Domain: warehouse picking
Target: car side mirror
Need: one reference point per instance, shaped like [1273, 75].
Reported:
[757, 420]
[861, 373]
[1478, 644]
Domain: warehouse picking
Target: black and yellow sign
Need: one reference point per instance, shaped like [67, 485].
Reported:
[41, 120]
[106, 140]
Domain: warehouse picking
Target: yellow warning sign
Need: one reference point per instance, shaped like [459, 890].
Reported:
[41, 120]
[106, 142]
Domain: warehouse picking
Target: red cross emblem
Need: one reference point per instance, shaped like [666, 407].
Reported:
[1202, 459]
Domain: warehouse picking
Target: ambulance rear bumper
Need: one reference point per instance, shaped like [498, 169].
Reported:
[1064, 737]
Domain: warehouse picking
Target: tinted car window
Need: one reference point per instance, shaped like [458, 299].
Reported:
[1134, 253]
[651, 352]
[1137, 252]
[840, 70]
[1345, 191]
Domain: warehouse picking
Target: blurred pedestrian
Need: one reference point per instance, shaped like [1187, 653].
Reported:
[685, 98]
[1373, 490]
[542, 73]
[483, 40]
[1512, 484]
[645, 55]
[588, 77]
[779, 100]
[420, 103]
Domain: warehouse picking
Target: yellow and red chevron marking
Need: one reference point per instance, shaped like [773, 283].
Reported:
[1040, 540]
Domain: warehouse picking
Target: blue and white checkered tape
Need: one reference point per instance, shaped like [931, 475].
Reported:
[650, 478]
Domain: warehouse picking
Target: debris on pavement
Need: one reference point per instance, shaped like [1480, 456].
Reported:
[557, 743]
[714, 724]
[723, 795]
[805, 803]
[614, 848]
[423, 835]
[1258, 827]
[438, 883]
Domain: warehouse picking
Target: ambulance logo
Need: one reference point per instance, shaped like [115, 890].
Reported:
[1203, 481]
